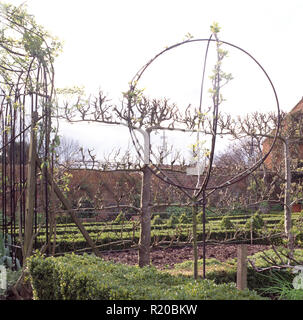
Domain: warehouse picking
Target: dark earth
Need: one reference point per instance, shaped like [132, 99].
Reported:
[167, 258]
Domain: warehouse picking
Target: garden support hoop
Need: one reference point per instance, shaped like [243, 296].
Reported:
[197, 194]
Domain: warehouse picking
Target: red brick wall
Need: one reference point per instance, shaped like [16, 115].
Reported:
[276, 158]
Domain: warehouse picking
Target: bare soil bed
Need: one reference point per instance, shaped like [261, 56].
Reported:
[168, 257]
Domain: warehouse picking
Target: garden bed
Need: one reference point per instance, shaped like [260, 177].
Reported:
[167, 258]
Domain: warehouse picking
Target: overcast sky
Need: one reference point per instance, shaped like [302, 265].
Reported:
[107, 42]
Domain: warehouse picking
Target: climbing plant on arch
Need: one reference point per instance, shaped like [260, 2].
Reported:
[195, 120]
[27, 134]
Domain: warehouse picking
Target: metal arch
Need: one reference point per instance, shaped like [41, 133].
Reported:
[26, 89]
[157, 170]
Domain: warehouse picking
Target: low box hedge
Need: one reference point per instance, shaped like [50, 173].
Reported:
[75, 277]
[225, 272]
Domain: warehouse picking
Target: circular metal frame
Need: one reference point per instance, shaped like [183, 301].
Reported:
[155, 168]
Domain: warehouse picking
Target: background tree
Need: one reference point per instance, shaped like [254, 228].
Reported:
[277, 172]
[68, 151]
[146, 115]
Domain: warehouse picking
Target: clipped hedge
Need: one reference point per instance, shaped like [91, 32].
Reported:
[69, 238]
[73, 277]
[226, 223]
[225, 272]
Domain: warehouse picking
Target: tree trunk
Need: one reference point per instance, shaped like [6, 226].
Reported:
[145, 217]
[287, 208]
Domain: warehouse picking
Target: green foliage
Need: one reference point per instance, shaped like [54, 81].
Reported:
[219, 77]
[172, 221]
[269, 283]
[259, 260]
[226, 223]
[184, 218]
[215, 27]
[120, 219]
[64, 218]
[12, 277]
[188, 36]
[21, 33]
[266, 282]
[189, 264]
[13, 273]
[264, 207]
[88, 208]
[157, 220]
[5, 257]
[281, 286]
[87, 277]
[64, 181]
[200, 217]
[276, 207]
[69, 238]
[256, 222]
[177, 211]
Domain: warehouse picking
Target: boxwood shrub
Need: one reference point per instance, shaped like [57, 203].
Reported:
[75, 277]
[226, 223]
[261, 282]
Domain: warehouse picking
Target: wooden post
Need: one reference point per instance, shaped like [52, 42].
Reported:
[145, 229]
[242, 267]
[204, 234]
[195, 246]
[30, 191]
[145, 217]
